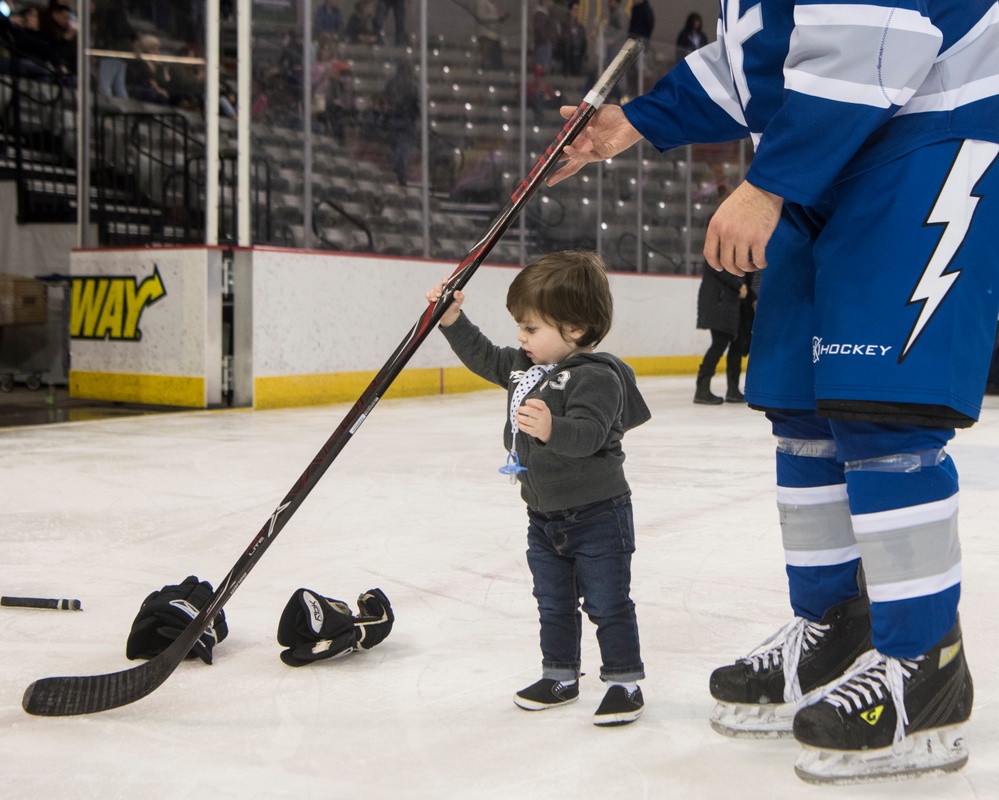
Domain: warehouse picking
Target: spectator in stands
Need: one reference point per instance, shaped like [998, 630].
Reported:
[111, 30]
[186, 82]
[546, 34]
[615, 30]
[330, 90]
[361, 27]
[540, 94]
[322, 74]
[487, 21]
[328, 21]
[640, 26]
[228, 100]
[54, 25]
[402, 114]
[25, 17]
[691, 38]
[572, 42]
[260, 110]
[147, 79]
[31, 55]
[290, 63]
[642, 22]
[398, 9]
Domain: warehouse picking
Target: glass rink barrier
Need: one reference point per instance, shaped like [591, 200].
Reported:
[374, 126]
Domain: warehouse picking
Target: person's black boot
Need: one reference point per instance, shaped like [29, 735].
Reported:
[703, 393]
[733, 371]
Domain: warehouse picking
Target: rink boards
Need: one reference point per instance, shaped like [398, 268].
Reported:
[308, 328]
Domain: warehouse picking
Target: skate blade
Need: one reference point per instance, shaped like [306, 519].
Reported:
[925, 753]
[753, 721]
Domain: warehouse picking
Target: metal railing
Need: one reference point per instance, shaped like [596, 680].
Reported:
[38, 137]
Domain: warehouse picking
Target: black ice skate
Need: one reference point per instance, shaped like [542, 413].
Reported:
[758, 695]
[888, 718]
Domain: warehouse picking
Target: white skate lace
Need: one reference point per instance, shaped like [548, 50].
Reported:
[869, 680]
[785, 648]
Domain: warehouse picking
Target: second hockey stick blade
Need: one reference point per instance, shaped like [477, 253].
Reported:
[58, 603]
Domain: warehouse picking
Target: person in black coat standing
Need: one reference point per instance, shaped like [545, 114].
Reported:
[691, 38]
[724, 307]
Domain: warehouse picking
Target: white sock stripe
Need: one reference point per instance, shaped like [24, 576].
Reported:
[821, 558]
[811, 495]
[907, 517]
[916, 587]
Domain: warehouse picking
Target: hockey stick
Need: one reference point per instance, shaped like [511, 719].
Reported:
[65, 696]
[62, 604]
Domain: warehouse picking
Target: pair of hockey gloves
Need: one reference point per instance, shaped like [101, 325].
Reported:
[314, 627]
[165, 613]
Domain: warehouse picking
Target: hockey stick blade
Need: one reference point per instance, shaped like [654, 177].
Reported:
[66, 696]
[58, 603]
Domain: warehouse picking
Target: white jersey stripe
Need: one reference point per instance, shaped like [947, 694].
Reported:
[721, 93]
[898, 19]
[874, 95]
[954, 98]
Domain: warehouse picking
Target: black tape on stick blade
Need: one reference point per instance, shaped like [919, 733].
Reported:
[56, 603]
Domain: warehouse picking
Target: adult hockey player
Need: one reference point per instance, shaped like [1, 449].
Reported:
[872, 203]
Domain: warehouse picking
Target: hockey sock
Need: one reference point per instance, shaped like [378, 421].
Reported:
[903, 491]
[819, 546]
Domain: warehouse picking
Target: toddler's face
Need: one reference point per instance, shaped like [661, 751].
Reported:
[544, 342]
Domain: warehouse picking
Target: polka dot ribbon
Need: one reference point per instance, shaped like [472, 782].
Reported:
[527, 381]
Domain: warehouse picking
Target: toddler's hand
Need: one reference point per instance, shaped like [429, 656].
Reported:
[535, 418]
[452, 311]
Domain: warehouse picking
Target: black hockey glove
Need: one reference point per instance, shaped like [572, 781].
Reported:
[313, 627]
[165, 613]
[375, 621]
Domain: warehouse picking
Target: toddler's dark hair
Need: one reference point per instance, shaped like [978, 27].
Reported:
[566, 288]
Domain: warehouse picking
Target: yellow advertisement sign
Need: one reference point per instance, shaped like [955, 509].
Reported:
[109, 307]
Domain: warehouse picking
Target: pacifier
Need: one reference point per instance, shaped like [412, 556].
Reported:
[512, 467]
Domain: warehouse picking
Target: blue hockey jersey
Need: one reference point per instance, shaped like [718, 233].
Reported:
[828, 89]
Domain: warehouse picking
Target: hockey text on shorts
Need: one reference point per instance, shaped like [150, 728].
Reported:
[820, 349]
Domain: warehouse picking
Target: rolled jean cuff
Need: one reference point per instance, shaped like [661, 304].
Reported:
[560, 672]
[623, 675]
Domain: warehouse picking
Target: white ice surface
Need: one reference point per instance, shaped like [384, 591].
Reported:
[108, 511]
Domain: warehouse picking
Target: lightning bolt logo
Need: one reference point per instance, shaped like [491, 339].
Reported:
[954, 210]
